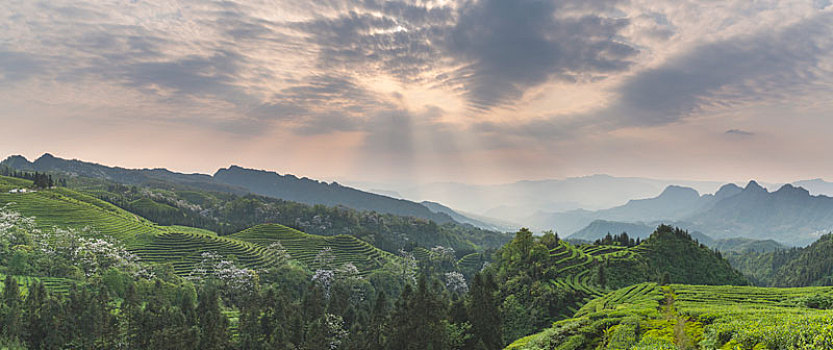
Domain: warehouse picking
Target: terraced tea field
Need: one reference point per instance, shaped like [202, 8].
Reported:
[65, 208]
[471, 263]
[184, 250]
[178, 245]
[53, 284]
[305, 247]
[647, 316]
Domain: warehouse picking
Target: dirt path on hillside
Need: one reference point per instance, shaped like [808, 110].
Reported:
[681, 339]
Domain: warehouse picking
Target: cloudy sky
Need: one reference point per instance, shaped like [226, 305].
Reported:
[425, 90]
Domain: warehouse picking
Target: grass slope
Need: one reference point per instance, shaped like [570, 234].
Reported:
[184, 250]
[70, 209]
[648, 316]
[305, 247]
[667, 251]
[179, 245]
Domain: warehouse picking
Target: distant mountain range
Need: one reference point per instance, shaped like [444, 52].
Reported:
[789, 215]
[816, 186]
[515, 202]
[239, 180]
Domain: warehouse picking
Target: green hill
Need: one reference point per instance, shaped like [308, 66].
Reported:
[552, 279]
[673, 252]
[667, 251]
[181, 246]
[166, 201]
[70, 209]
[184, 250]
[796, 267]
[648, 316]
[304, 247]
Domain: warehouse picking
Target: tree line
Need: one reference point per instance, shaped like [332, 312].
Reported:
[40, 180]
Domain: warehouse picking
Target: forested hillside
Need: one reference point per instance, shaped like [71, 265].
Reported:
[239, 181]
[171, 204]
[796, 267]
[545, 279]
[86, 274]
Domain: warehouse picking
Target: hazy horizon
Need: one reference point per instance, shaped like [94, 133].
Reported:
[366, 185]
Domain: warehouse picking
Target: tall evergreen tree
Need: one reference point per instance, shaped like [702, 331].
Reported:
[34, 301]
[213, 324]
[484, 312]
[12, 326]
[419, 319]
[375, 339]
[130, 316]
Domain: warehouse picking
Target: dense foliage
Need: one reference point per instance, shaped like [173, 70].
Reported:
[621, 239]
[544, 279]
[113, 299]
[169, 204]
[795, 267]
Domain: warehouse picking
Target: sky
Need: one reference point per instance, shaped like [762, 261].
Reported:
[418, 91]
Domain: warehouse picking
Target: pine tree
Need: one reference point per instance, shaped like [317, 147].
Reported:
[213, 324]
[378, 323]
[53, 321]
[601, 276]
[665, 279]
[131, 313]
[484, 313]
[12, 326]
[32, 319]
[419, 319]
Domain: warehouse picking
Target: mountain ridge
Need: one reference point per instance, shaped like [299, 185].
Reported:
[788, 215]
[238, 180]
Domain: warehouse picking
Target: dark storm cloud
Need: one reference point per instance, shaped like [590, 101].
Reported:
[107, 49]
[510, 46]
[194, 75]
[490, 51]
[762, 65]
[504, 47]
[398, 42]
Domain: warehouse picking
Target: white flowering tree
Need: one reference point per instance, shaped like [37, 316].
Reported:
[456, 282]
[325, 258]
[348, 271]
[236, 283]
[281, 254]
[204, 269]
[325, 279]
[443, 257]
[60, 251]
[15, 229]
[349, 276]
